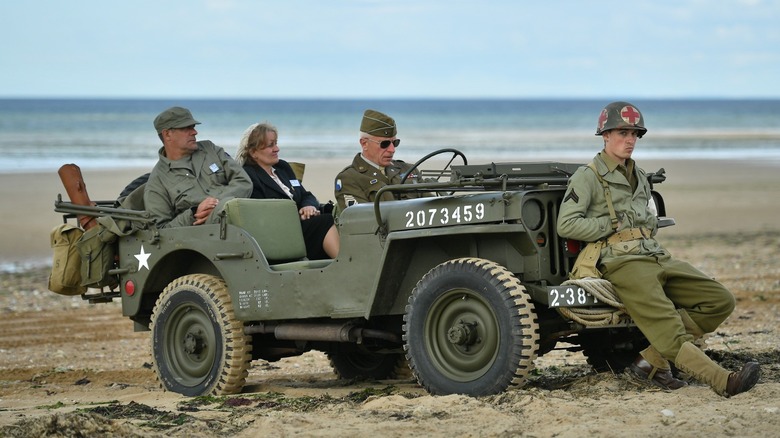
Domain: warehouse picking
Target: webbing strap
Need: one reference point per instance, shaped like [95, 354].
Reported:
[608, 195]
[629, 235]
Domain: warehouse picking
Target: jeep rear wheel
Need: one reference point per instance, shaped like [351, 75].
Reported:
[367, 365]
[470, 328]
[198, 347]
[612, 351]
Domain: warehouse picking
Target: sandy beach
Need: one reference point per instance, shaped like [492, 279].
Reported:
[70, 366]
[703, 196]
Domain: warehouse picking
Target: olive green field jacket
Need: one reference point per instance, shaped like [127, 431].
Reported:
[584, 214]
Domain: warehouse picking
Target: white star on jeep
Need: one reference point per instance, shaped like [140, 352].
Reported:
[143, 259]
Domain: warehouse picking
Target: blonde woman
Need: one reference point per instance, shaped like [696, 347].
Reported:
[272, 178]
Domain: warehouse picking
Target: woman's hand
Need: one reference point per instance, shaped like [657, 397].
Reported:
[308, 211]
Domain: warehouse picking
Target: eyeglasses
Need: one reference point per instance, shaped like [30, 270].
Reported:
[384, 144]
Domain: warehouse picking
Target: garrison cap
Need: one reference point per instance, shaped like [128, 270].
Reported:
[378, 124]
[174, 117]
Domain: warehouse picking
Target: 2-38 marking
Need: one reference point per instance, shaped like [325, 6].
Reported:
[569, 296]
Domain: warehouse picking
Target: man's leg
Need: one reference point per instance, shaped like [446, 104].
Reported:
[706, 302]
[637, 283]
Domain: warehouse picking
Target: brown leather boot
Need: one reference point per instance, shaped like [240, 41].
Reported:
[663, 378]
[745, 379]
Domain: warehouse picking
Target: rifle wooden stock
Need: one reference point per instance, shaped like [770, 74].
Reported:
[71, 178]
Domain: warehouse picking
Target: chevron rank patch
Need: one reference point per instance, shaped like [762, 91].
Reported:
[573, 196]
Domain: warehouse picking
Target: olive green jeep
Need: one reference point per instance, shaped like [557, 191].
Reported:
[465, 288]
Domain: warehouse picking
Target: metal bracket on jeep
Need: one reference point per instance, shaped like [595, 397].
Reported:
[523, 174]
[520, 173]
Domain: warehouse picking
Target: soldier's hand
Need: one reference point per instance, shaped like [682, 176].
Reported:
[204, 210]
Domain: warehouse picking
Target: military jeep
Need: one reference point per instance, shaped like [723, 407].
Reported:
[463, 287]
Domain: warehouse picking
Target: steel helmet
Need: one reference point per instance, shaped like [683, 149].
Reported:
[621, 115]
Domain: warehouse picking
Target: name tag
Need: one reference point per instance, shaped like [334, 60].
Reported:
[214, 167]
[295, 183]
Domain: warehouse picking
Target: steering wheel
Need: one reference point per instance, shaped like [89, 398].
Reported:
[455, 153]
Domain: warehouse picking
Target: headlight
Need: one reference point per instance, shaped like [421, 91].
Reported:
[533, 214]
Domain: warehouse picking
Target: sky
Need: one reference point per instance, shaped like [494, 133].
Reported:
[389, 49]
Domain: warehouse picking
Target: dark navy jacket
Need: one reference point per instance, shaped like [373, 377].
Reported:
[264, 187]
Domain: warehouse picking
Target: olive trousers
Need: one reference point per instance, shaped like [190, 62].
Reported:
[653, 288]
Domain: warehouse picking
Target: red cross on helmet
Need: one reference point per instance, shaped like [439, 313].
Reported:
[620, 115]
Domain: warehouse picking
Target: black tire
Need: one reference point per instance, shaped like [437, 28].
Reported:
[470, 328]
[198, 347]
[607, 352]
[609, 361]
[368, 365]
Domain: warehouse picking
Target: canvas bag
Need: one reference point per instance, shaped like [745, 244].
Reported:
[588, 258]
[97, 248]
[65, 277]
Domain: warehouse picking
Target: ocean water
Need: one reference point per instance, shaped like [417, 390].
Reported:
[43, 134]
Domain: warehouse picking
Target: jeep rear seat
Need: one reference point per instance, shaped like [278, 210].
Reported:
[276, 226]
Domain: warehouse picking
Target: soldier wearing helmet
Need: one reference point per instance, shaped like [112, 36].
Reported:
[608, 204]
[621, 115]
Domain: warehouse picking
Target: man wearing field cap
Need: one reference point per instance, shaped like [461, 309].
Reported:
[374, 167]
[192, 179]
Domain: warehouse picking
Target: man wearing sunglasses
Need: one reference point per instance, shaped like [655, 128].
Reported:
[374, 167]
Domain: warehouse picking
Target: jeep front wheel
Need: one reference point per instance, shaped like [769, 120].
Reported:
[198, 347]
[470, 328]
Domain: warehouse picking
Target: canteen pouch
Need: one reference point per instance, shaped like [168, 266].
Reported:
[585, 265]
[65, 277]
[97, 248]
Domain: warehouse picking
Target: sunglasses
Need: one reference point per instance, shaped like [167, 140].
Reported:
[384, 144]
